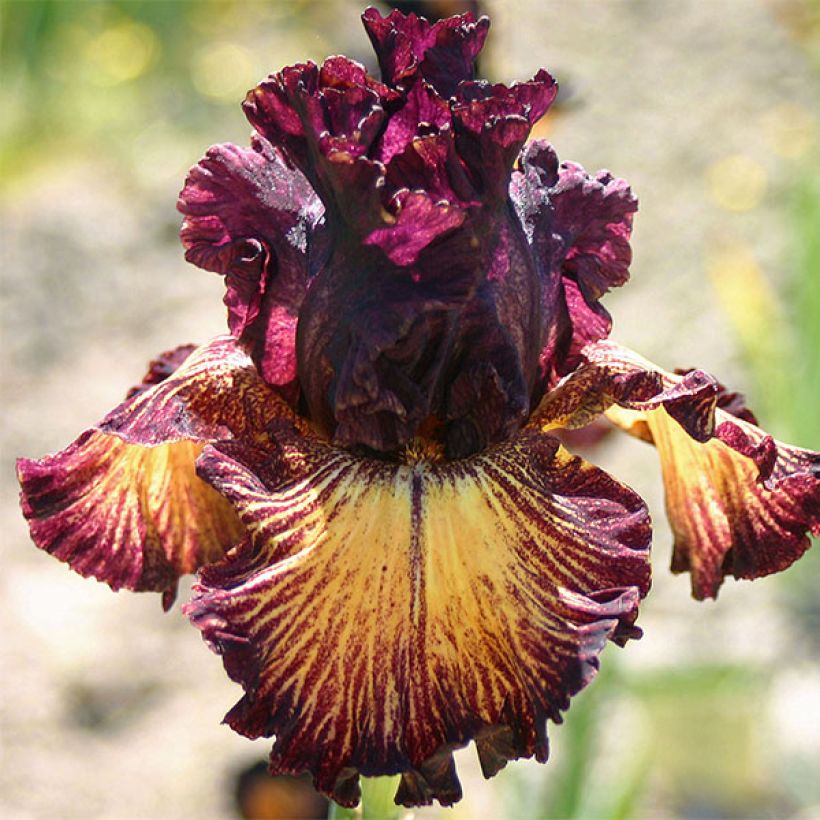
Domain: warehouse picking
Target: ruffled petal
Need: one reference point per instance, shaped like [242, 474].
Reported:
[251, 217]
[423, 108]
[325, 118]
[739, 502]
[431, 163]
[613, 377]
[579, 228]
[442, 53]
[134, 517]
[123, 503]
[418, 222]
[492, 123]
[381, 614]
[739, 505]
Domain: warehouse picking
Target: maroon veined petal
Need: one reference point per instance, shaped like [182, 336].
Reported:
[740, 505]
[733, 403]
[739, 502]
[442, 53]
[381, 614]
[612, 375]
[579, 228]
[123, 503]
[250, 217]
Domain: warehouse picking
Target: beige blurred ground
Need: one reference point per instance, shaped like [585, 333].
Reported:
[110, 708]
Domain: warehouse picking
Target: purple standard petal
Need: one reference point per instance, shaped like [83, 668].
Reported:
[375, 337]
[325, 118]
[443, 320]
[251, 217]
[579, 228]
[425, 306]
[442, 53]
[492, 124]
[384, 346]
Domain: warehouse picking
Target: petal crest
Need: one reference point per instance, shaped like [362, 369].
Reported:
[381, 614]
[443, 52]
[612, 376]
[123, 503]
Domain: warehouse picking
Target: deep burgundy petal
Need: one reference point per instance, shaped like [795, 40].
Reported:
[251, 217]
[423, 109]
[492, 124]
[418, 222]
[323, 118]
[431, 163]
[579, 228]
[399, 336]
[442, 53]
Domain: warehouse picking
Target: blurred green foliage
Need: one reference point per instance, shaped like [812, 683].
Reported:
[806, 300]
[103, 75]
[692, 718]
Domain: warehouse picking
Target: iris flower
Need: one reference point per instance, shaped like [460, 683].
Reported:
[396, 555]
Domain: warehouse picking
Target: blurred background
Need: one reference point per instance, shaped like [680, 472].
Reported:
[708, 107]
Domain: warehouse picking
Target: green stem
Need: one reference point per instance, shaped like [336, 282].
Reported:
[337, 812]
[377, 801]
[377, 798]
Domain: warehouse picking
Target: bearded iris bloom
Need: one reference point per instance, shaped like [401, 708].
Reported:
[396, 556]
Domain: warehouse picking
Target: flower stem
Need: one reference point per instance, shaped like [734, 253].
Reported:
[377, 798]
[337, 812]
[377, 801]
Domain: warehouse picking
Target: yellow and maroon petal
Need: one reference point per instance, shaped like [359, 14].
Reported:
[739, 505]
[739, 502]
[134, 517]
[123, 503]
[381, 614]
